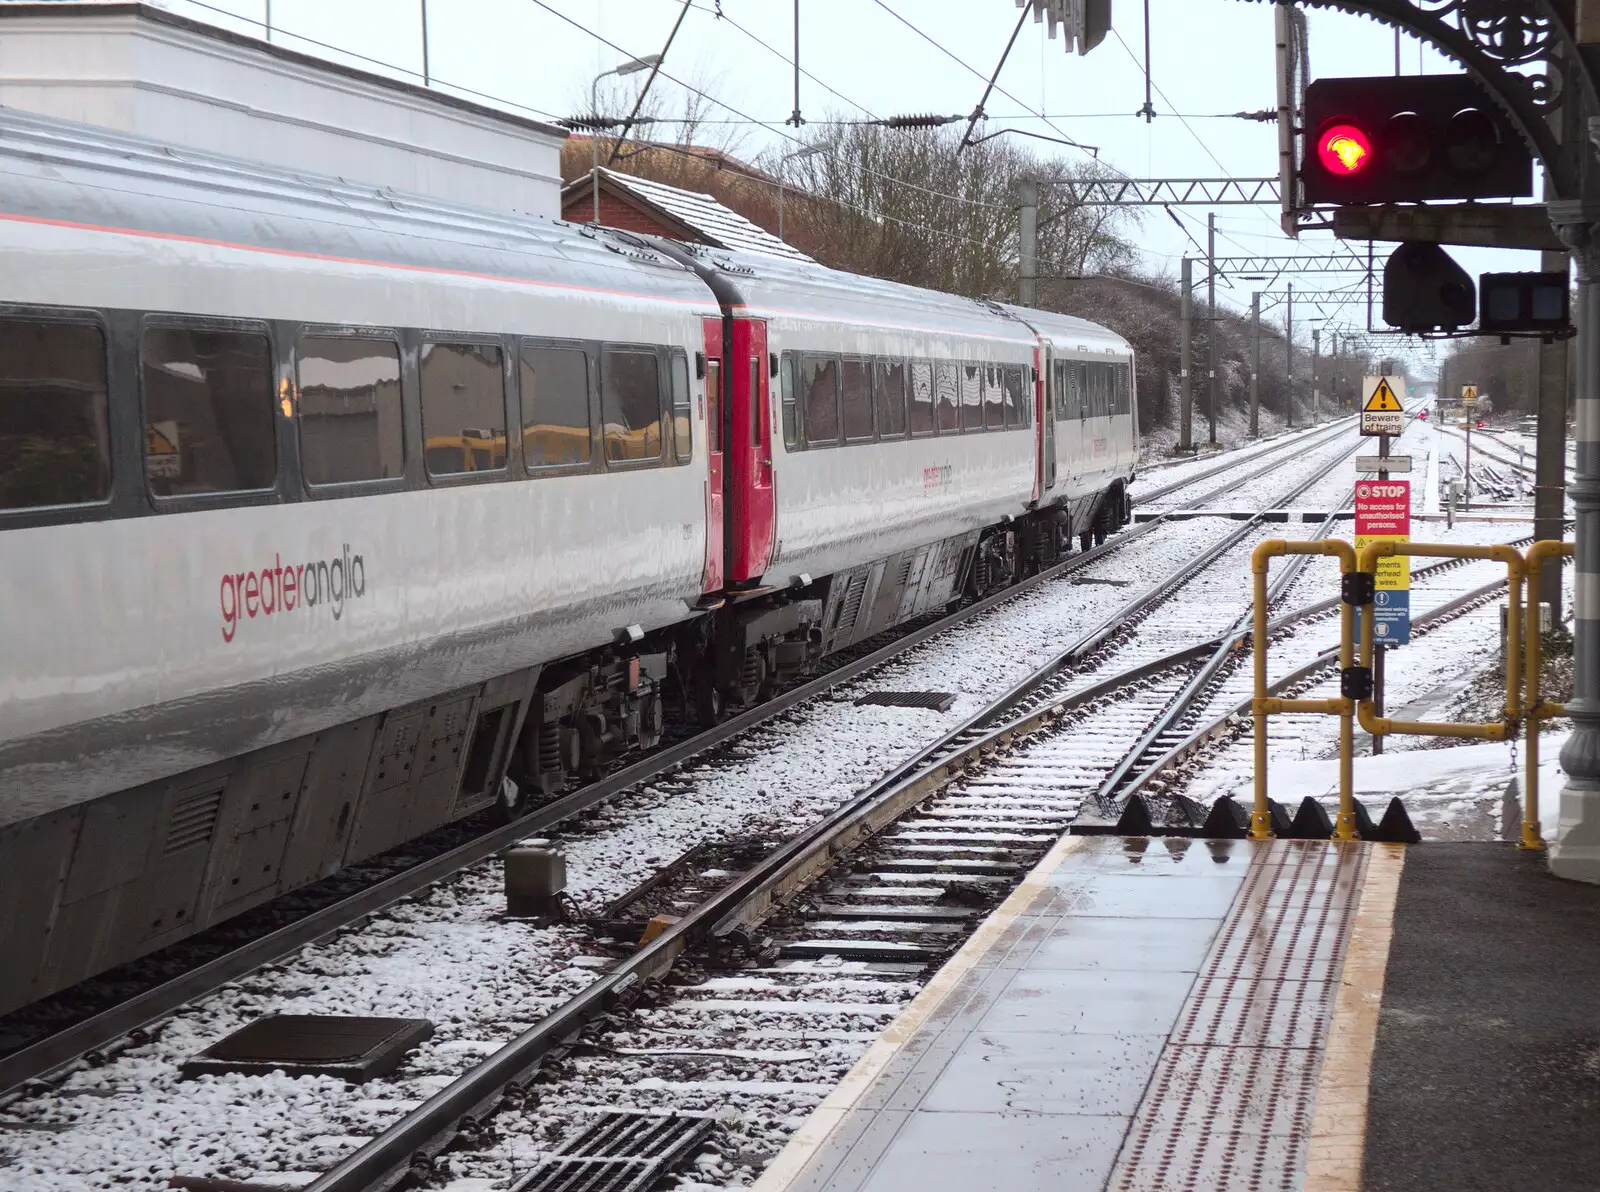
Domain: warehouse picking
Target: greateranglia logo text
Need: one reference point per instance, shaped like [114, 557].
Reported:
[289, 588]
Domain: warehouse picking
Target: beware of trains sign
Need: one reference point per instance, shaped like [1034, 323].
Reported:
[1381, 411]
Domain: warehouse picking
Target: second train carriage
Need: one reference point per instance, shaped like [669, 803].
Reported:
[322, 509]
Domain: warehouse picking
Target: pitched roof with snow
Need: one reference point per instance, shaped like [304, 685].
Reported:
[713, 222]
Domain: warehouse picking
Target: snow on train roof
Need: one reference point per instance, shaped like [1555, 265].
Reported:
[59, 170]
[1068, 332]
[806, 290]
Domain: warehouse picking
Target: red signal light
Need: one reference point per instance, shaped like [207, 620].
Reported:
[1343, 150]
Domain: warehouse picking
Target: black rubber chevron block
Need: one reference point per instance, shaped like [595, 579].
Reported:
[1136, 819]
[1311, 822]
[1395, 826]
[1226, 821]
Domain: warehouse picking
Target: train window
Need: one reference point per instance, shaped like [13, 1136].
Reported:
[682, 409]
[208, 411]
[855, 400]
[994, 399]
[1078, 377]
[1120, 393]
[946, 394]
[55, 445]
[889, 396]
[1099, 390]
[970, 379]
[555, 406]
[350, 422]
[463, 408]
[630, 405]
[755, 402]
[713, 406]
[791, 409]
[1018, 412]
[920, 411]
[819, 380]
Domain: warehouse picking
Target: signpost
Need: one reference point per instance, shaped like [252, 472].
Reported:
[1383, 512]
[1381, 463]
[1381, 411]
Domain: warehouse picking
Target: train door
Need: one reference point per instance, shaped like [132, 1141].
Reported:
[1047, 426]
[749, 453]
[711, 578]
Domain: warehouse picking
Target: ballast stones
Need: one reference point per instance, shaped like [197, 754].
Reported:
[356, 1049]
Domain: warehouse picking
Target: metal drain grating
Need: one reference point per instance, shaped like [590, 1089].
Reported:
[1230, 1103]
[619, 1152]
[314, 1045]
[938, 701]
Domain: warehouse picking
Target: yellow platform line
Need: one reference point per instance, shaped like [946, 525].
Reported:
[814, 1132]
[1339, 1122]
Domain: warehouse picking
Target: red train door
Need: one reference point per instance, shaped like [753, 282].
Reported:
[711, 577]
[749, 454]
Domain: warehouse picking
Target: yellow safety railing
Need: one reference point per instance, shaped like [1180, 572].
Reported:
[1263, 705]
[1494, 730]
[1535, 708]
[1522, 668]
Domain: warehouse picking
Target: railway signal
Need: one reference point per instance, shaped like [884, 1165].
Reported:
[1409, 139]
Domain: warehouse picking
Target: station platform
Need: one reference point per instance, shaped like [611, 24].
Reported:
[1161, 1013]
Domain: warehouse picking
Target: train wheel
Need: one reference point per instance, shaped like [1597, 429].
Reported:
[709, 704]
[510, 801]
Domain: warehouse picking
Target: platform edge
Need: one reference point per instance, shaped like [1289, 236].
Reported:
[1339, 1121]
[820, 1124]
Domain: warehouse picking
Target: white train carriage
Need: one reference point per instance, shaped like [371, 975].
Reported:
[322, 509]
[306, 490]
[1090, 443]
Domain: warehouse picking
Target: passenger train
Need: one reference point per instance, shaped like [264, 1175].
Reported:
[330, 515]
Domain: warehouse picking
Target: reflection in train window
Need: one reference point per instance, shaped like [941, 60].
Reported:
[630, 405]
[682, 410]
[555, 406]
[819, 381]
[208, 411]
[791, 413]
[1017, 407]
[920, 410]
[970, 378]
[55, 444]
[350, 420]
[945, 396]
[463, 408]
[889, 396]
[994, 399]
[855, 400]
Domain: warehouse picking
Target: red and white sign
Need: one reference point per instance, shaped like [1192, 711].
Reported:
[1383, 510]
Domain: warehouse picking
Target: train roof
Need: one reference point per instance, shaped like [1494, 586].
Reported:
[59, 171]
[1068, 332]
[806, 290]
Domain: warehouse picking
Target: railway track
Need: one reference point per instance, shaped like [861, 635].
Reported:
[461, 1111]
[1101, 644]
[124, 1023]
[797, 962]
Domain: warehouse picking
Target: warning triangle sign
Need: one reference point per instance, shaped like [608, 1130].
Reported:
[1383, 400]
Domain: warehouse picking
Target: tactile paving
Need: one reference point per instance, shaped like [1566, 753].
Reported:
[1230, 1102]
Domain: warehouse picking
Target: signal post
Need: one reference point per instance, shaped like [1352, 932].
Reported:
[1362, 147]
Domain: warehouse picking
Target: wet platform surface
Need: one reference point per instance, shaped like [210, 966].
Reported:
[1486, 1073]
[1139, 1014]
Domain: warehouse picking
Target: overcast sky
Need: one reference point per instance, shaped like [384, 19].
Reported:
[1208, 57]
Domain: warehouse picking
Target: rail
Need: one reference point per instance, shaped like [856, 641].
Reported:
[382, 1161]
[91, 1035]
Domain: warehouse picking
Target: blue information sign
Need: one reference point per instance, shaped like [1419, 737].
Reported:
[1392, 623]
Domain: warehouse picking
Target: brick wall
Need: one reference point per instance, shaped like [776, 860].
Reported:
[614, 213]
